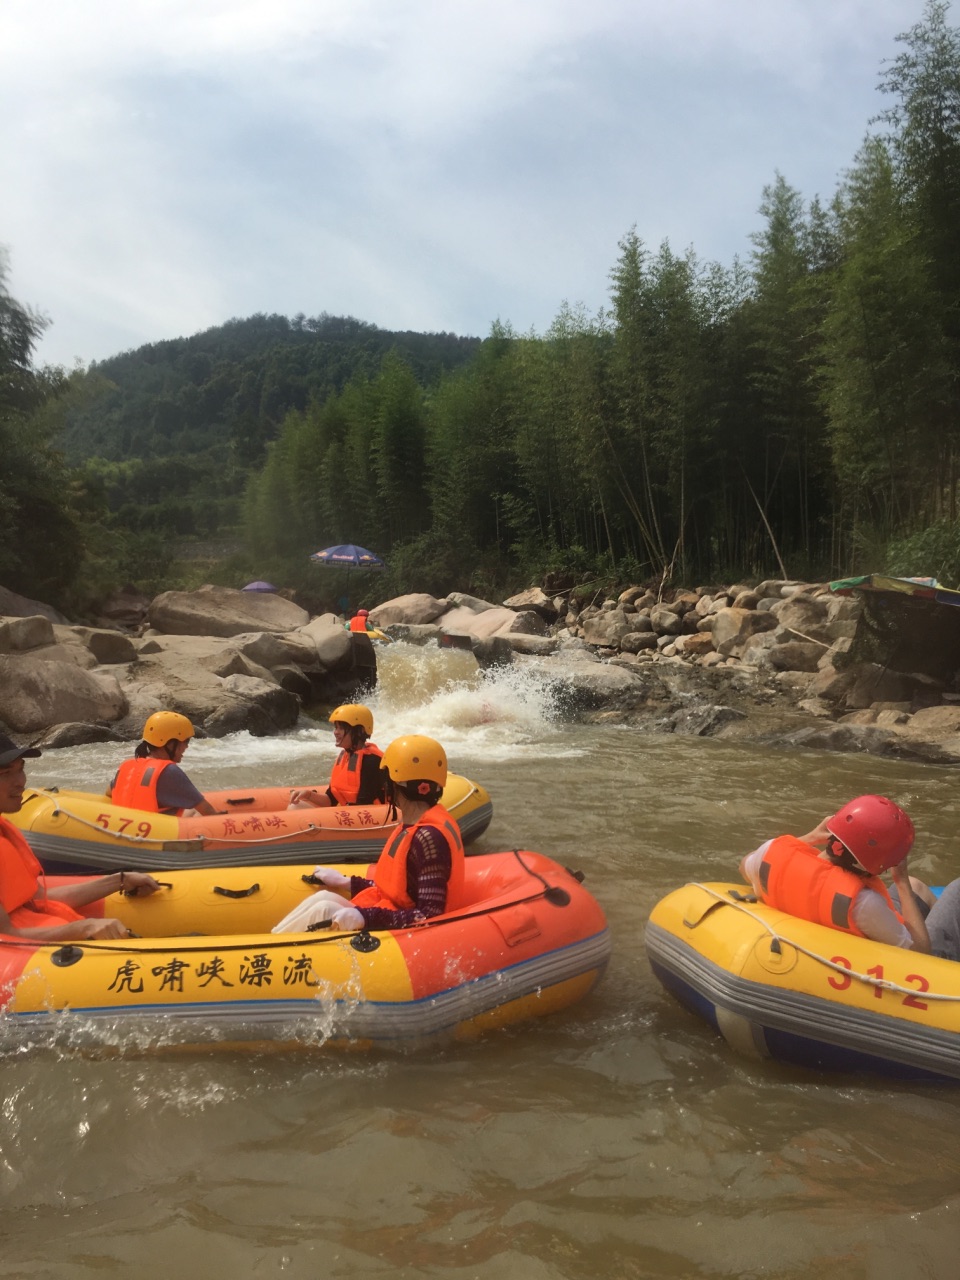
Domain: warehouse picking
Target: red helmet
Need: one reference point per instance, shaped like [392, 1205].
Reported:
[362, 613]
[876, 831]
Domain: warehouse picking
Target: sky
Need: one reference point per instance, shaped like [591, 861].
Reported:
[434, 165]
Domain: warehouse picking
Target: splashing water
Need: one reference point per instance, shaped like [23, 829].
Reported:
[480, 716]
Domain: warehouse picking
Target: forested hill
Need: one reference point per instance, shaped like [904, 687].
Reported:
[794, 413]
[230, 387]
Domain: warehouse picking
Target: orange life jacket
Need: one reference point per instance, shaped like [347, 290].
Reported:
[389, 888]
[345, 774]
[794, 878]
[358, 624]
[21, 894]
[136, 784]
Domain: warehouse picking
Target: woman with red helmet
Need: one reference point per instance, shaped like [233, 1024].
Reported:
[831, 876]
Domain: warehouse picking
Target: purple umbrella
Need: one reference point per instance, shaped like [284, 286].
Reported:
[259, 586]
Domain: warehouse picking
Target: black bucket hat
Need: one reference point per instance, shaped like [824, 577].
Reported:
[9, 751]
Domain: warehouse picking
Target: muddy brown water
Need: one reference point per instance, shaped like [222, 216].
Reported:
[618, 1139]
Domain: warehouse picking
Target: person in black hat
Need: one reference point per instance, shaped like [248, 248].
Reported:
[28, 909]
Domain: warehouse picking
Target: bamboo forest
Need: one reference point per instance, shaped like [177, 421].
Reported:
[795, 412]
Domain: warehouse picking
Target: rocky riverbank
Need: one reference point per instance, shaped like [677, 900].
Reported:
[771, 663]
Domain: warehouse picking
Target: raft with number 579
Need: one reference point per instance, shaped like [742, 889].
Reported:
[205, 969]
[778, 987]
[77, 829]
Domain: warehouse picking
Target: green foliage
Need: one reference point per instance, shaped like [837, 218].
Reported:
[932, 552]
[796, 413]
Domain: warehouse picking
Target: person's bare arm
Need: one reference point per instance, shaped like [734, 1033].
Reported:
[910, 909]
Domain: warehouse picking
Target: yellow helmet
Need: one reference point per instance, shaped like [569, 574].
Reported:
[415, 758]
[164, 725]
[352, 713]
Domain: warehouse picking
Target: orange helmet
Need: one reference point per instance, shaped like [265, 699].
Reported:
[875, 830]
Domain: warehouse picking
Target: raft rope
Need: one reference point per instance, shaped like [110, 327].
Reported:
[187, 942]
[868, 979]
[59, 809]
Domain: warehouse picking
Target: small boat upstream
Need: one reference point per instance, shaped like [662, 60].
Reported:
[80, 830]
[205, 969]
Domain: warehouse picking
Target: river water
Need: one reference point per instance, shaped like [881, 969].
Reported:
[619, 1139]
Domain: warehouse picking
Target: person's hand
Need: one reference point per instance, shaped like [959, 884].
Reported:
[819, 835]
[898, 875]
[330, 878]
[137, 884]
[105, 930]
[306, 798]
[347, 918]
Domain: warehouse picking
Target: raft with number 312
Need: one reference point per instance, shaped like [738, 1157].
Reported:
[79, 829]
[529, 940]
[778, 987]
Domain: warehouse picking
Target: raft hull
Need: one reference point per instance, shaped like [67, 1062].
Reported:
[78, 830]
[780, 988]
[533, 941]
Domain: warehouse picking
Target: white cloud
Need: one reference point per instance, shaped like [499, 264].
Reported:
[417, 163]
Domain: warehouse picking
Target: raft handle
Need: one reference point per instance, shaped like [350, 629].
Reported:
[775, 947]
[364, 941]
[577, 875]
[236, 893]
[63, 957]
[241, 800]
[737, 896]
[556, 896]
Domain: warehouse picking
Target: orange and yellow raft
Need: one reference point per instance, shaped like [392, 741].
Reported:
[205, 969]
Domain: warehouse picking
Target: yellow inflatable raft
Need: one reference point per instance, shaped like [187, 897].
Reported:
[532, 941]
[77, 829]
[777, 987]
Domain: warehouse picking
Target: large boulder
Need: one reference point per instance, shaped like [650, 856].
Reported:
[732, 628]
[608, 627]
[460, 600]
[216, 703]
[223, 611]
[535, 598]
[126, 609]
[416, 609]
[14, 606]
[805, 617]
[18, 634]
[464, 620]
[35, 694]
[111, 648]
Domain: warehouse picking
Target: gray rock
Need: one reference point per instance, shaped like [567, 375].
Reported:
[532, 646]
[732, 628]
[493, 651]
[415, 609]
[535, 599]
[19, 634]
[222, 611]
[35, 694]
[664, 620]
[460, 600]
[14, 606]
[795, 655]
[414, 633]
